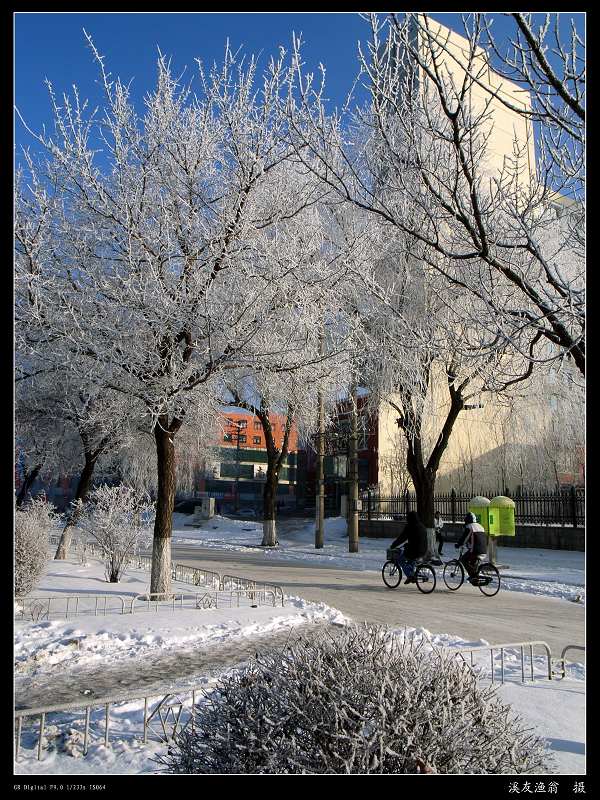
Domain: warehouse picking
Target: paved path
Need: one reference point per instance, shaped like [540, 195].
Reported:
[176, 669]
[507, 617]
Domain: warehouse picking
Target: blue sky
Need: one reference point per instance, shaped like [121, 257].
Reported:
[52, 45]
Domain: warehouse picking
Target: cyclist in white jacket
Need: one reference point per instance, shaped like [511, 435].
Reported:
[475, 538]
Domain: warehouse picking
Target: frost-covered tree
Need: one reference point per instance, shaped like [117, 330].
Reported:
[363, 701]
[154, 263]
[35, 520]
[120, 519]
[293, 394]
[291, 386]
[395, 475]
[500, 217]
[67, 422]
[540, 437]
[424, 360]
[44, 443]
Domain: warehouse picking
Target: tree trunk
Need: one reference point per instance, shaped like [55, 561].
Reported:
[424, 474]
[425, 490]
[28, 482]
[160, 580]
[83, 487]
[269, 506]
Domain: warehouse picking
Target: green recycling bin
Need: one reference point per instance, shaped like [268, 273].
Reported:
[480, 507]
[502, 516]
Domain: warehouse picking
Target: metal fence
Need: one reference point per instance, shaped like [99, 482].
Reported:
[156, 601]
[195, 576]
[235, 583]
[163, 717]
[39, 609]
[502, 655]
[73, 605]
[220, 591]
[561, 507]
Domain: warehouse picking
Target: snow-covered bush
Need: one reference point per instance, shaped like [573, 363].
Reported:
[120, 519]
[362, 701]
[34, 521]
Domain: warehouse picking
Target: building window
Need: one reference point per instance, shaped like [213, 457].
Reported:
[227, 437]
[256, 440]
[257, 426]
[243, 423]
[241, 438]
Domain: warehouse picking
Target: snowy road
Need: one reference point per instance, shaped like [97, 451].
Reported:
[508, 617]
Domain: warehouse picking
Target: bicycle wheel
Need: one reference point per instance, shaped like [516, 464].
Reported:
[488, 580]
[391, 574]
[454, 575]
[426, 579]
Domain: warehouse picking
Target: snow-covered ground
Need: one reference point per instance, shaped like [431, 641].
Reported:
[86, 639]
[556, 573]
[57, 646]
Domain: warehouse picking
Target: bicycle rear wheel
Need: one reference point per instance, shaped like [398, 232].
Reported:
[453, 575]
[391, 574]
[425, 578]
[488, 580]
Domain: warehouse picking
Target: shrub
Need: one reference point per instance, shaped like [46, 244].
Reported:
[120, 519]
[358, 702]
[34, 521]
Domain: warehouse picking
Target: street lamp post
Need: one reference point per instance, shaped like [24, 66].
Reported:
[320, 499]
[237, 471]
[353, 498]
[235, 431]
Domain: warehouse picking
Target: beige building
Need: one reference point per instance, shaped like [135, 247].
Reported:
[509, 134]
[534, 440]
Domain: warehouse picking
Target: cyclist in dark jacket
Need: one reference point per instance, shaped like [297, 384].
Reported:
[475, 538]
[415, 536]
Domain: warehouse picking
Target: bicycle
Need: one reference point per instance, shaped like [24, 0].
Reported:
[424, 574]
[486, 577]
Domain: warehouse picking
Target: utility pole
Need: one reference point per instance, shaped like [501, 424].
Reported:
[320, 498]
[353, 493]
[236, 428]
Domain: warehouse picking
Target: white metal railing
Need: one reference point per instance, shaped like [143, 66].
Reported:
[501, 653]
[210, 599]
[168, 709]
[142, 562]
[561, 664]
[192, 575]
[234, 582]
[40, 608]
[195, 576]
